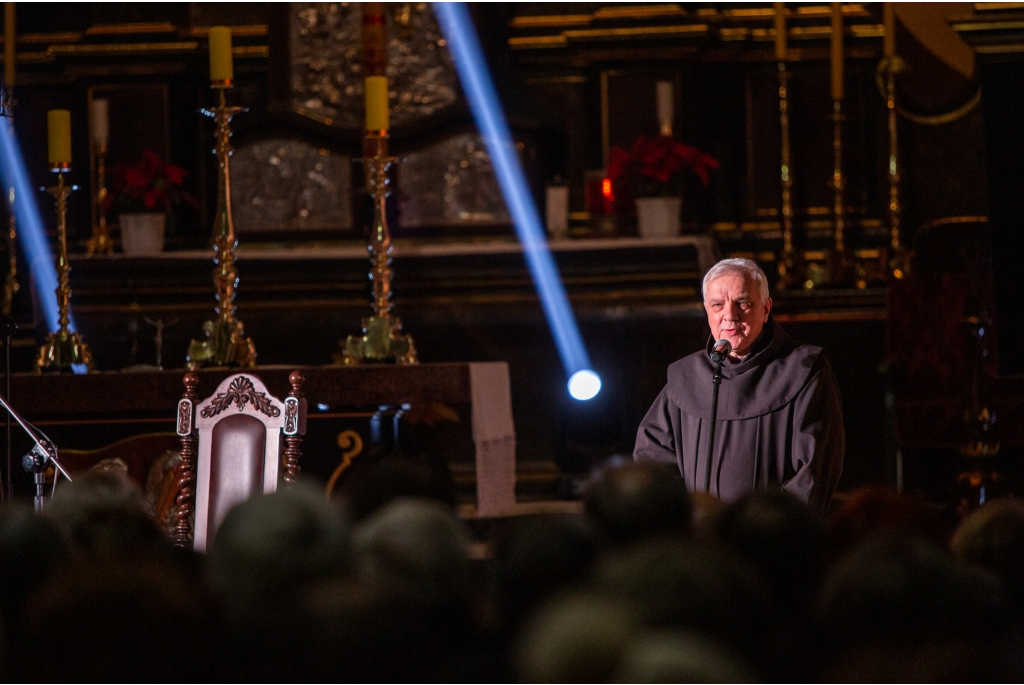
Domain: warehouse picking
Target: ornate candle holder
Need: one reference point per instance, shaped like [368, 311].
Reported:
[100, 242]
[226, 343]
[899, 257]
[382, 338]
[11, 285]
[789, 263]
[63, 348]
[839, 266]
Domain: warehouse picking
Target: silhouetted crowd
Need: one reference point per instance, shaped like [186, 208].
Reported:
[647, 584]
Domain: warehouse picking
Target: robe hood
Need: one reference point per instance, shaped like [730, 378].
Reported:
[761, 383]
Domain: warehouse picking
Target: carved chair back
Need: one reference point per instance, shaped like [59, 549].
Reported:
[231, 448]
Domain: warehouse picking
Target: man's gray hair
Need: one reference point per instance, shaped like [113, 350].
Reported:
[747, 268]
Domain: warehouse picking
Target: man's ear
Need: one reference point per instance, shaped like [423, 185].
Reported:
[767, 308]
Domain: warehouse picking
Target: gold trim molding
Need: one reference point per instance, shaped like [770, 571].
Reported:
[130, 29]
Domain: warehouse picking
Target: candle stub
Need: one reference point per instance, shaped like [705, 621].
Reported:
[99, 123]
[666, 111]
[376, 88]
[58, 126]
[557, 210]
[222, 69]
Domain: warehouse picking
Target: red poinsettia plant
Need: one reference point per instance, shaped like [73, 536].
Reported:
[656, 167]
[149, 186]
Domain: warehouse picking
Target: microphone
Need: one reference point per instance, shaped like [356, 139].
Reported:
[720, 351]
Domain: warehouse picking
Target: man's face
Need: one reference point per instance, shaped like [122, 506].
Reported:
[736, 311]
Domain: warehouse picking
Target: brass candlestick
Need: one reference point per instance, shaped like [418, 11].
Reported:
[789, 263]
[100, 242]
[382, 338]
[63, 348]
[11, 285]
[899, 257]
[226, 343]
[839, 266]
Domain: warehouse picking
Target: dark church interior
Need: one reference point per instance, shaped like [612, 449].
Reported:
[333, 334]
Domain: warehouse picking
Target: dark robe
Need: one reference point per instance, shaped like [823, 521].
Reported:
[780, 421]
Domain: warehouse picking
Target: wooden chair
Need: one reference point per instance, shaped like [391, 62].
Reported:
[231, 447]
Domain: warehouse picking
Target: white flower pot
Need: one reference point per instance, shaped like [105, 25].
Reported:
[658, 217]
[142, 234]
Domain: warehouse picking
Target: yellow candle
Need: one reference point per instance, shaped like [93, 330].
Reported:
[837, 51]
[9, 44]
[780, 31]
[58, 126]
[889, 20]
[376, 89]
[222, 68]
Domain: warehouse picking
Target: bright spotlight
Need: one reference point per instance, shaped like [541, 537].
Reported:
[468, 57]
[584, 385]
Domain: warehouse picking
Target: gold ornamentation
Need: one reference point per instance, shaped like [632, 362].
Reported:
[382, 338]
[899, 257]
[838, 265]
[100, 242]
[790, 268]
[941, 119]
[63, 348]
[226, 343]
[11, 285]
[239, 393]
[351, 446]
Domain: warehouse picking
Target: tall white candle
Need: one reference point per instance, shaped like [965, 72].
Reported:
[665, 107]
[99, 123]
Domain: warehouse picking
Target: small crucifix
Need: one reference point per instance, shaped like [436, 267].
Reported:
[158, 336]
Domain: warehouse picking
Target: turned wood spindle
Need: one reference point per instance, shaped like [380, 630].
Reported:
[189, 452]
[293, 443]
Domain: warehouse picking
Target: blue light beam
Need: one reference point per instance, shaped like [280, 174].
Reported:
[30, 224]
[490, 119]
[31, 233]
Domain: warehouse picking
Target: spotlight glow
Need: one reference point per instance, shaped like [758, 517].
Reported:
[584, 385]
[490, 120]
[31, 233]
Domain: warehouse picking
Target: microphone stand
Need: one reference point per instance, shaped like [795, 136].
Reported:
[35, 461]
[717, 358]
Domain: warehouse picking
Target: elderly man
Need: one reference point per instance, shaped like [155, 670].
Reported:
[779, 421]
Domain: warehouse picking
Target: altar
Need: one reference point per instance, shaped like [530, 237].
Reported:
[353, 412]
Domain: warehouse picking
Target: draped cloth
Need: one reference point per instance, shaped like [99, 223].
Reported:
[495, 438]
[779, 423]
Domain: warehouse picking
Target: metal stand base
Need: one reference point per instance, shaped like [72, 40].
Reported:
[62, 350]
[382, 340]
[226, 345]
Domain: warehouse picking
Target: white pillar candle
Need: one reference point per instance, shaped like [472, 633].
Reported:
[665, 107]
[99, 123]
[558, 212]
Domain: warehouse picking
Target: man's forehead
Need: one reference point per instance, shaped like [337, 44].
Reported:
[734, 284]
